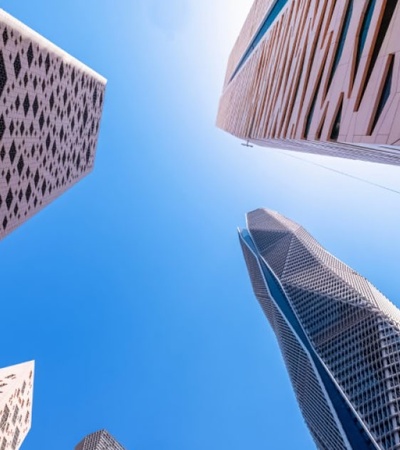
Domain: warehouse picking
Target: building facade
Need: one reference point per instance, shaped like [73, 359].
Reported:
[99, 440]
[50, 110]
[339, 336]
[16, 394]
[317, 76]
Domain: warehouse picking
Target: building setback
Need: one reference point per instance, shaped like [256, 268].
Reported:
[317, 76]
[16, 393]
[50, 109]
[339, 336]
[99, 440]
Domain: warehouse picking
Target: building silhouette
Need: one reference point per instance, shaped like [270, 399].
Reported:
[99, 440]
[50, 109]
[16, 394]
[339, 336]
[317, 76]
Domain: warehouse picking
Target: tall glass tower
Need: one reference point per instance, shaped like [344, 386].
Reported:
[339, 336]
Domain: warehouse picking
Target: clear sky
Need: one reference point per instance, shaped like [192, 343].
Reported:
[130, 290]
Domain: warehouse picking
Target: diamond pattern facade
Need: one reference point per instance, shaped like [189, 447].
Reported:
[317, 76]
[99, 440]
[340, 337]
[16, 393]
[50, 110]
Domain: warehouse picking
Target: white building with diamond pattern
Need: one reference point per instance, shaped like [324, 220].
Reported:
[50, 110]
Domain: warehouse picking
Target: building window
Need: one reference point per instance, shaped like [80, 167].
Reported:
[4, 417]
[387, 87]
[362, 37]
[15, 439]
[15, 415]
[336, 124]
[342, 40]
[383, 28]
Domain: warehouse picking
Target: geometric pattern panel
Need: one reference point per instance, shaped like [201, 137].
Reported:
[317, 70]
[16, 393]
[309, 391]
[352, 327]
[50, 110]
[359, 359]
[321, 422]
[258, 284]
[275, 252]
[99, 440]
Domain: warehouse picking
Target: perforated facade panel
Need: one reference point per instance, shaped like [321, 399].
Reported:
[50, 109]
[335, 326]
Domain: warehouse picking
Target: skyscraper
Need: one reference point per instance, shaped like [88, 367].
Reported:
[16, 393]
[99, 440]
[317, 76]
[339, 336]
[50, 109]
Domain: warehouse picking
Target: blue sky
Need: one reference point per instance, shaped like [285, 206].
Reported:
[130, 290]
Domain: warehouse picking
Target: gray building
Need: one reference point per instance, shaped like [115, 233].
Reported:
[339, 336]
[99, 440]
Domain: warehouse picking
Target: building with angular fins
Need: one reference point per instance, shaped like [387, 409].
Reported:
[50, 109]
[317, 76]
[339, 336]
[16, 393]
[99, 440]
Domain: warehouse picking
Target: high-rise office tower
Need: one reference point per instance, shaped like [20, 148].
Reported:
[317, 76]
[50, 109]
[16, 393]
[99, 440]
[339, 336]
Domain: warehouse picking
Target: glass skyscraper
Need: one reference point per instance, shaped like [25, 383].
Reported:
[339, 336]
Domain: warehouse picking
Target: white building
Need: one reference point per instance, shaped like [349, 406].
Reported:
[50, 110]
[16, 393]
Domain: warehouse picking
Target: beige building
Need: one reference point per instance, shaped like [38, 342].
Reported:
[317, 76]
[50, 110]
[16, 394]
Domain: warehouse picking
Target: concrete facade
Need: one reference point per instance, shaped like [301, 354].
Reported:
[16, 394]
[314, 71]
[50, 110]
[99, 440]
